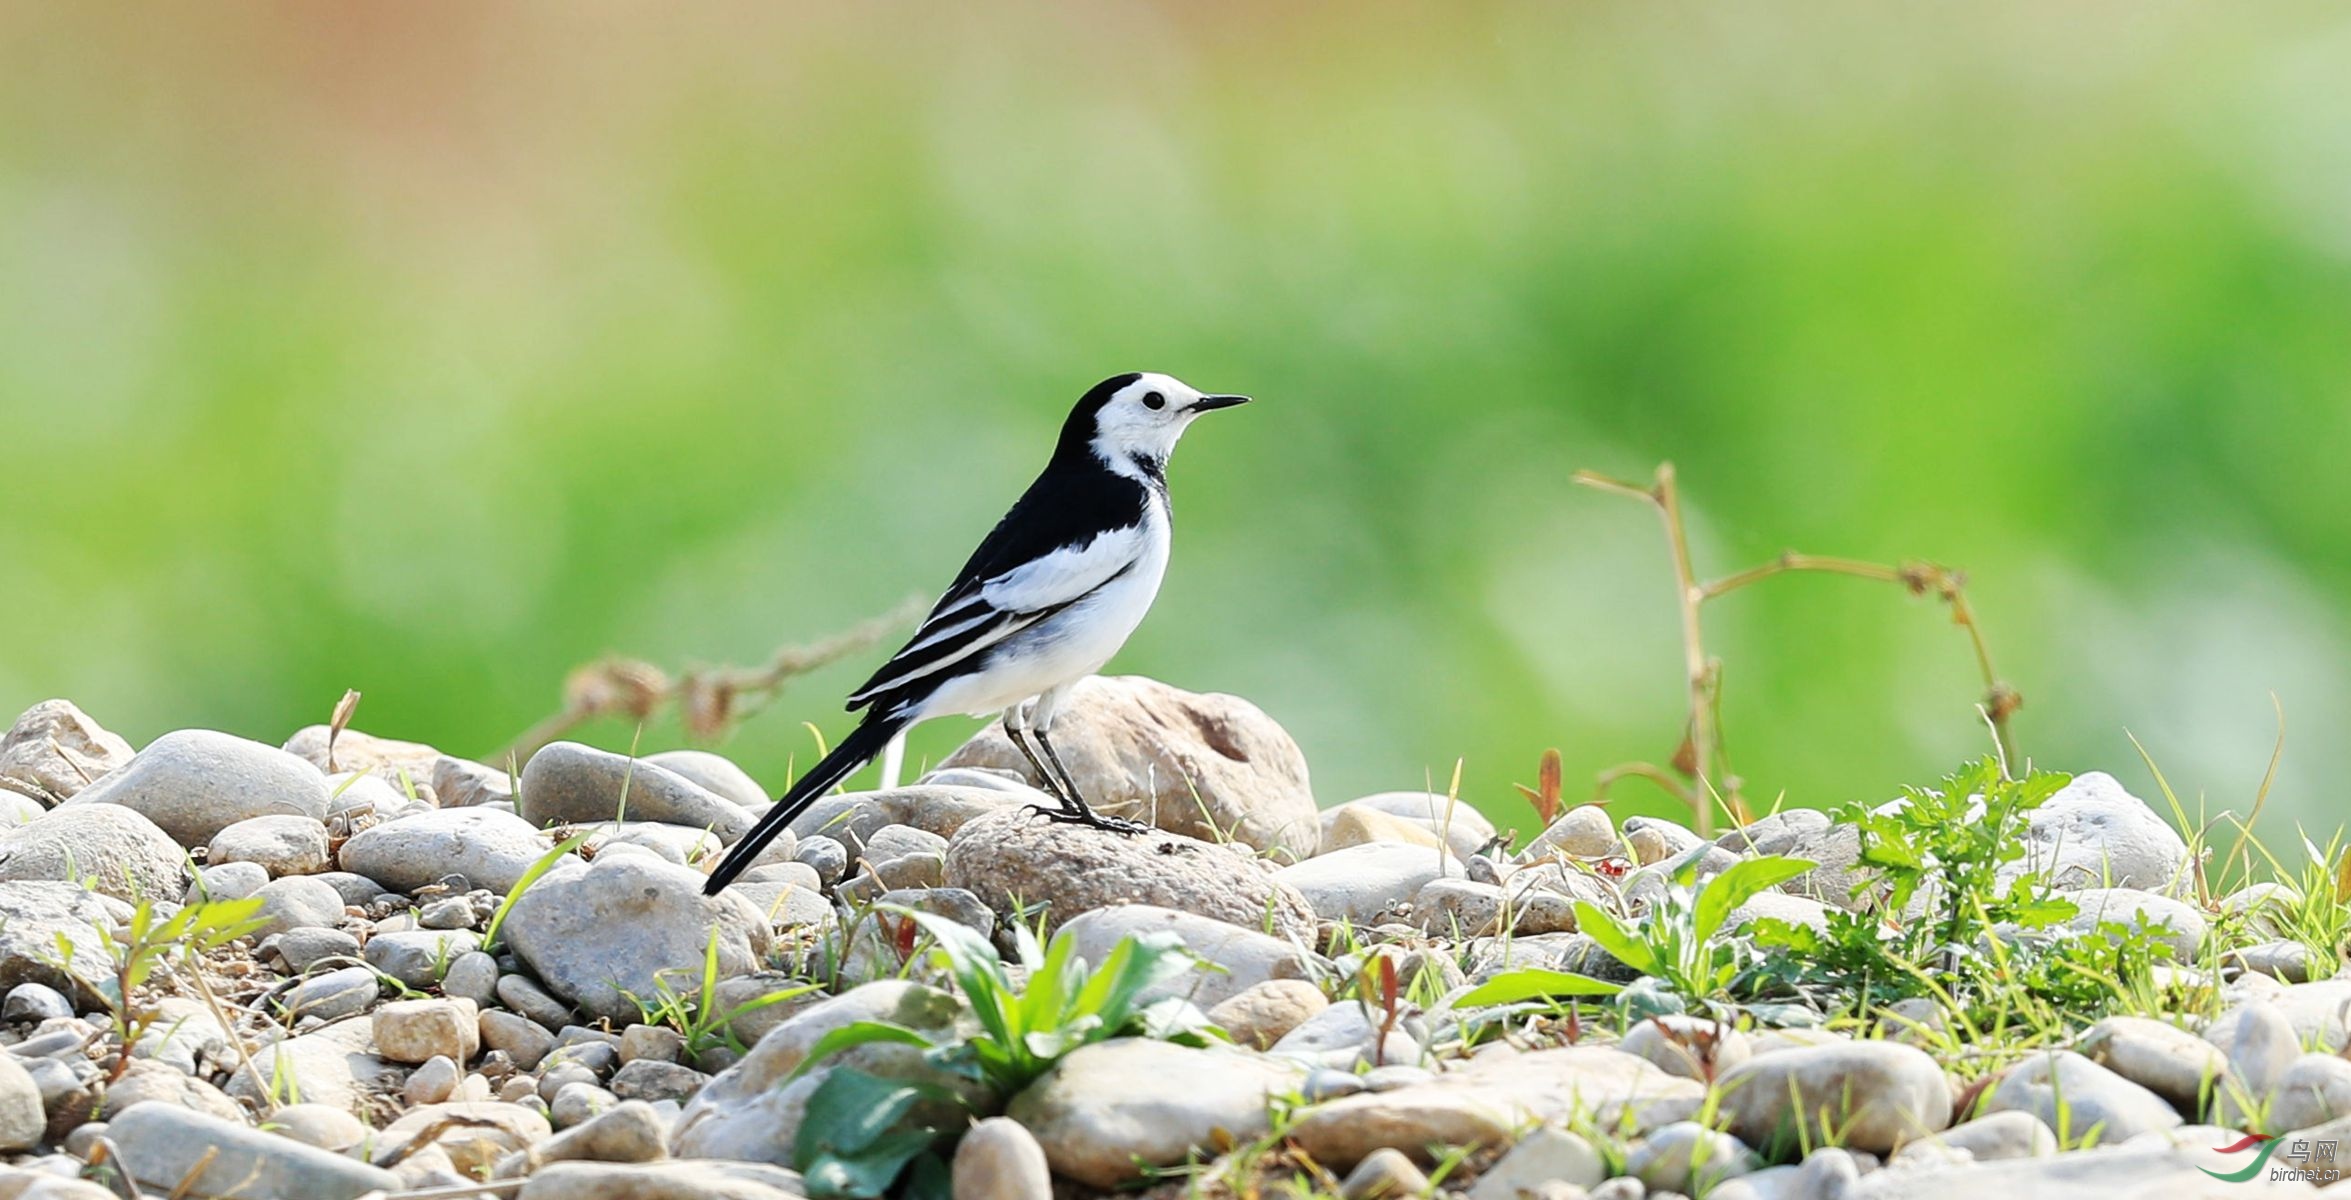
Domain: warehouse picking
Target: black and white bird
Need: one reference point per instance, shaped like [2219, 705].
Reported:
[1044, 602]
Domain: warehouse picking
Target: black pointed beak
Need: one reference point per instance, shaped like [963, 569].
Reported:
[1212, 403]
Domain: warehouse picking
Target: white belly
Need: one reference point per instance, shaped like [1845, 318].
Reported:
[1063, 648]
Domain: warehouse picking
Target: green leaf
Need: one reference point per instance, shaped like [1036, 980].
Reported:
[977, 971]
[1534, 983]
[1602, 927]
[1740, 884]
[850, 1145]
[859, 1033]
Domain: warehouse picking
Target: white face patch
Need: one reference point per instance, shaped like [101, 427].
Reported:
[1142, 422]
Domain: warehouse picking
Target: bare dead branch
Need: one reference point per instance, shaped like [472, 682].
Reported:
[711, 700]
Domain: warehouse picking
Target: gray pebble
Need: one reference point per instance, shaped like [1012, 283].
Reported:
[577, 1103]
[304, 948]
[356, 890]
[33, 1003]
[228, 881]
[828, 856]
[521, 1039]
[433, 1082]
[336, 994]
[473, 976]
[531, 1000]
[453, 912]
[298, 902]
[416, 957]
[652, 1079]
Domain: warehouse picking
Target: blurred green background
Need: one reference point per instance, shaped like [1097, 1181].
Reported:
[435, 349]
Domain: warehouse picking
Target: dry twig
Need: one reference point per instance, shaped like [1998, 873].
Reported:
[1700, 759]
[710, 700]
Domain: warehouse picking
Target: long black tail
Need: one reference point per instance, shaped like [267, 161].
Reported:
[856, 750]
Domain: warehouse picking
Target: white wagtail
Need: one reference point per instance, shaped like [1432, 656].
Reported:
[1044, 602]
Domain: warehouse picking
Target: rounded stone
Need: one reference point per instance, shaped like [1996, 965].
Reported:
[1871, 1096]
[113, 849]
[568, 783]
[999, 1159]
[492, 849]
[713, 773]
[1206, 765]
[193, 783]
[1014, 859]
[282, 844]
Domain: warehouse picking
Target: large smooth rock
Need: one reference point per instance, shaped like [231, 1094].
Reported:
[1205, 765]
[282, 845]
[110, 847]
[592, 933]
[1870, 1096]
[568, 783]
[400, 764]
[1235, 959]
[2093, 833]
[1097, 1125]
[1489, 1100]
[1456, 823]
[51, 936]
[1017, 858]
[163, 1146]
[939, 808]
[491, 848]
[196, 782]
[2177, 1065]
[55, 750]
[2088, 1094]
[1361, 882]
[753, 1109]
[714, 773]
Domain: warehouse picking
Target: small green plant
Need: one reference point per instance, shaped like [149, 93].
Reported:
[856, 1143]
[147, 944]
[1676, 943]
[1951, 842]
[695, 1013]
[1945, 916]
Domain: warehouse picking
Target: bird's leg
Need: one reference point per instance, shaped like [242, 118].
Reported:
[1076, 811]
[1052, 787]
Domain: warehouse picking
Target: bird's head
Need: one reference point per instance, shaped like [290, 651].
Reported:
[1131, 422]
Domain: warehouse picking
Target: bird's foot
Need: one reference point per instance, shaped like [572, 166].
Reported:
[1092, 820]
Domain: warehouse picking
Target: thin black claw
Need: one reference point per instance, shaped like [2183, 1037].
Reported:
[1091, 820]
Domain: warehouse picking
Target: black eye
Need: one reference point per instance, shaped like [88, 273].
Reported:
[1154, 401]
